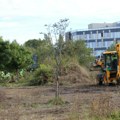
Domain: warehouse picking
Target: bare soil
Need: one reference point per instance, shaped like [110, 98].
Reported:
[78, 89]
[31, 103]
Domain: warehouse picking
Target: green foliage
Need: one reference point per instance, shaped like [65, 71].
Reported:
[112, 116]
[20, 57]
[33, 43]
[78, 50]
[5, 56]
[115, 116]
[42, 75]
[13, 57]
[43, 49]
[4, 77]
[84, 53]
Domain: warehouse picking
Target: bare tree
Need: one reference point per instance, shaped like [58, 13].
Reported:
[57, 31]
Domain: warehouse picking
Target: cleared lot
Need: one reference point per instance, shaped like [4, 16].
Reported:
[32, 103]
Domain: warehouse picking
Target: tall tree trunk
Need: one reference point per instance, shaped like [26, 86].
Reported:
[57, 87]
[17, 75]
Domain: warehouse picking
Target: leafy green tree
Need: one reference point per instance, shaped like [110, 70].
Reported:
[33, 43]
[20, 58]
[13, 56]
[78, 50]
[83, 53]
[5, 56]
[42, 48]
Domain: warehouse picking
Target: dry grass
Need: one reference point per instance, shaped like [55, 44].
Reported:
[75, 110]
[74, 73]
[101, 106]
[78, 110]
[83, 103]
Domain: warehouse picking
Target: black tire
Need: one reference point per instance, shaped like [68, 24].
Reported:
[111, 84]
[100, 82]
[100, 79]
[118, 81]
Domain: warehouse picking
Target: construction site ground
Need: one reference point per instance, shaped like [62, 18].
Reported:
[80, 100]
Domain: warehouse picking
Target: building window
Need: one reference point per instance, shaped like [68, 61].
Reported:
[106, 35]
[103, 43]
[112, 35]
[102, 34]
[92, 44]
[87, 36]
[109, 35]
[116, 34]
[90, 35]
[75, 37]
[99, 36]
[98, 44]
[83, 35]
[94, 36]
[106, 44]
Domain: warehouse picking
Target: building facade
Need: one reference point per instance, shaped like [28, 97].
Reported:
[98, 36]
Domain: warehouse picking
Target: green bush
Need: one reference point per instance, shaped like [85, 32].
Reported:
[115, 115]
[4, 77]
[42, 75]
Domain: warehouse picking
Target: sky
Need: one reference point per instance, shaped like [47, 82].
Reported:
[22, 20]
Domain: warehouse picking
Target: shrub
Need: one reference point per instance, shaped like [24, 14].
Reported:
[42, 75]
[115, 115]
[4, 77]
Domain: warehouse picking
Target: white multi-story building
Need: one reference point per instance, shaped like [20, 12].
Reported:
[98, 36]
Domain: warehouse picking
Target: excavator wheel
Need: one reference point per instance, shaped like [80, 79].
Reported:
[100, 79]
[100, 82]
[118, 81]
[111, 84]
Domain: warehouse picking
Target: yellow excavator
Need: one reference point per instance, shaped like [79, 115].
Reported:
[110, 68]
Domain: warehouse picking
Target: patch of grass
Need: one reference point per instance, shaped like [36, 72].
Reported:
[56, 101]
[114, 116]
[32, 105]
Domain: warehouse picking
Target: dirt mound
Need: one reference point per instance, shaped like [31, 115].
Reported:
[74, 73]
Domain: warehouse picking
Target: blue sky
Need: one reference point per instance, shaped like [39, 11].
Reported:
[24, 19]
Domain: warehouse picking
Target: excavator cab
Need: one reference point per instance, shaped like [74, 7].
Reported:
[110, 60]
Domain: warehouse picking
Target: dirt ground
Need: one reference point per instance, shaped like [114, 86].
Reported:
[31, 103]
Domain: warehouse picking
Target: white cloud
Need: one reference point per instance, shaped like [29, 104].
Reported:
[29, 16]
[9, 24]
